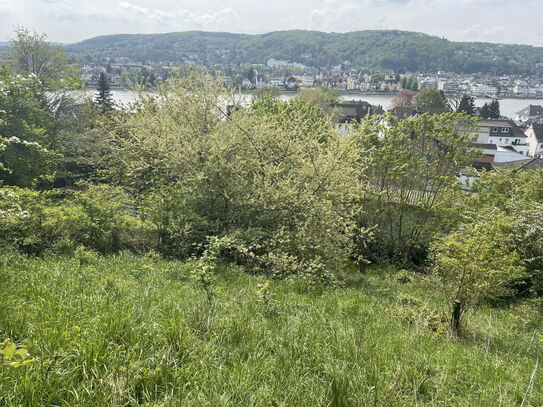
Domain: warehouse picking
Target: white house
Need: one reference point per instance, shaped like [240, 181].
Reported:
[308, 81]
[535, 140]
[529, 113]
[505, 135]
[484, 90]
[279, 82]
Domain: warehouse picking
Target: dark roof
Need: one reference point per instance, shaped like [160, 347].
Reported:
[407, 112]
[377, 109]
[353, 111]
[402, 112]
[480, 165]
[538, 132]
[433, 110]
[489, 146]
[515, 131]
[531, 110]
[527, 164]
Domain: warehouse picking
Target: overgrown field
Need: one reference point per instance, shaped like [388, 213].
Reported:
[130, 331]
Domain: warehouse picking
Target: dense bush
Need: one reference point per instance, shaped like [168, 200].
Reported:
[100, 218]
[275, 178]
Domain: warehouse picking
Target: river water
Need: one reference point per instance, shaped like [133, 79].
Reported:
[508, 107]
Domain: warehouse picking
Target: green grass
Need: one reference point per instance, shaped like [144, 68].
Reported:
[130, 331]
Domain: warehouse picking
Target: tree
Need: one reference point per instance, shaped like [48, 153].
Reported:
[103, 97]
[25, 131]
[267, 92]
[485, 111]
[477, 263]
[403, 98]
[275, 177]
[30, 52]
[494, 109]
[466, 105]
[320, 96]
[411, 84]
[251, 75]
[412, 168]
[429, 98]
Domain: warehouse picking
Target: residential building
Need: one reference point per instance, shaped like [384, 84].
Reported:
[534, 135]
[530, 113]
[483, 90]
[308, 81]
[428, 83]
[504, 134]
[353, 112]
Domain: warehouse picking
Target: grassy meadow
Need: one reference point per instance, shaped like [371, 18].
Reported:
[138, 331]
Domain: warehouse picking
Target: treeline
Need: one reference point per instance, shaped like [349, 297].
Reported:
[272, 186]
[372, 50]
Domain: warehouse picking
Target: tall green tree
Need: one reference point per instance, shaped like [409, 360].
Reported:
[32, 53]
[466, 105]
[320, 96]
[103, 98]
[429, 98]
[494, 109]
[412, 168]
[491, 110]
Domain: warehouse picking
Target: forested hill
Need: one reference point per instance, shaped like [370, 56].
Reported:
[373, 49]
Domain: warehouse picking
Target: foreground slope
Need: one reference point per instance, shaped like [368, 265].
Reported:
[135, 331]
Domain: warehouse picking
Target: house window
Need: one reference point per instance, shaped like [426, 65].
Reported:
[494, 130]
[505, 130]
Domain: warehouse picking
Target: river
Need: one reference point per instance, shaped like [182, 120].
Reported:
[508, 107]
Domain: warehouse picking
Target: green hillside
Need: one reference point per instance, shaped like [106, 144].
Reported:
[132, 331]
[372, 49]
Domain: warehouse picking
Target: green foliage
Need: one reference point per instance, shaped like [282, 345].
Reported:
[100, 218]
[429, 98]
[377, 77]
[122, 332]
[267, 92]
[466, 105]
[528, 239]
[14, 355]
[478, 262]
[412, 168]
[103, 97]
[25, 131]
[275, 177]
[370, 49]
[320, 96]
[491, 110]
[31, 53]
[409, 83]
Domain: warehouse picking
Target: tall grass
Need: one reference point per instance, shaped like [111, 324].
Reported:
[129, 331]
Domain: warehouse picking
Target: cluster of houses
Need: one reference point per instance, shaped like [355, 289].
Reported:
[487, 87]
[503, 142]
[290, 76]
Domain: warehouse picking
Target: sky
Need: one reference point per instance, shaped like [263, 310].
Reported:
[68, 21]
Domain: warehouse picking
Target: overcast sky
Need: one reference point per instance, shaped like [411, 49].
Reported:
[509, 21]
